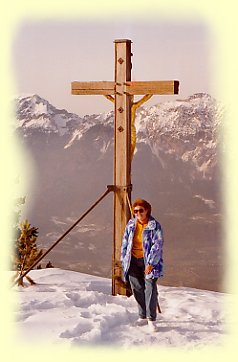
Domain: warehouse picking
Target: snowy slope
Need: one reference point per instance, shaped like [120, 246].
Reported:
[76, 309]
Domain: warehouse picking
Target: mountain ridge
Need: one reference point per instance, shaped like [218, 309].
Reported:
[178, 120]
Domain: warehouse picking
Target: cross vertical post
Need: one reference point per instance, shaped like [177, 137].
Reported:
[122, 156]
[121, 91]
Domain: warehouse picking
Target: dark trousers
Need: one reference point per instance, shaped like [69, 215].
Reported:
[144, 290]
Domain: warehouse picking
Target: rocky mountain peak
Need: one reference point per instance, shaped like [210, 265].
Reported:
[36, 113]
[33, 106]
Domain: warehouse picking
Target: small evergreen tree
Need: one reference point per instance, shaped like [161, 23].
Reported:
[16, 232]
[26, 252]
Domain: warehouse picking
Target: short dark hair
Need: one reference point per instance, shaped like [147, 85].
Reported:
[143, 203]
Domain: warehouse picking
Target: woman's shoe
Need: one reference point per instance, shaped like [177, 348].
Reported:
[141, 321]
[152, 326]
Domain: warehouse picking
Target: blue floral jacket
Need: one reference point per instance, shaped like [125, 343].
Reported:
[152, 245]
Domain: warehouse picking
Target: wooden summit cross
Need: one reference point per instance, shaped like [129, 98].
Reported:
[121, 91]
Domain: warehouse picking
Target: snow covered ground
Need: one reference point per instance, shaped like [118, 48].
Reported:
[78, 309]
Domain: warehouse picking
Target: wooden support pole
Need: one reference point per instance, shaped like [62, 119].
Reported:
[109, 189]
[122, 156]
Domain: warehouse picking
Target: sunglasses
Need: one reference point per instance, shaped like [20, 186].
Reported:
[139, 210]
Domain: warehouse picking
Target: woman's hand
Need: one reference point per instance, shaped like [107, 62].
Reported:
[148, 269]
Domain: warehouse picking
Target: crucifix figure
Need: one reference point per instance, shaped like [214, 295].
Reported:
[122, 91]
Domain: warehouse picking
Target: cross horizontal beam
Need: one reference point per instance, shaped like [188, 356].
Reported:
[101, 87]
[165, 87]
[152, 87]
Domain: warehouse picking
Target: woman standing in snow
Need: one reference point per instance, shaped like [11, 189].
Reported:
[142, 260]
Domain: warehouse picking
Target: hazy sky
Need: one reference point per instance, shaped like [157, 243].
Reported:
[47, 56]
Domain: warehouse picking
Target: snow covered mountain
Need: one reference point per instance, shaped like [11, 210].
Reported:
[187, 128]
[176, 167]
[36, 113]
